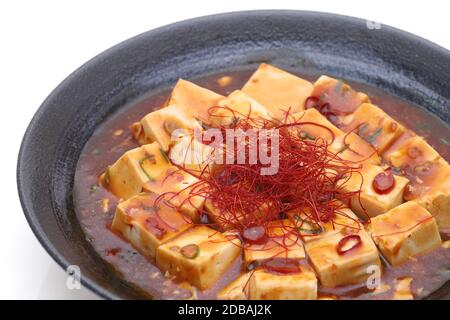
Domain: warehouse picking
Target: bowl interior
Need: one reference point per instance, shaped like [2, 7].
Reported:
[401, 64]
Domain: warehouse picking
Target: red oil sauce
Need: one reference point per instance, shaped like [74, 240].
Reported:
[95, 206]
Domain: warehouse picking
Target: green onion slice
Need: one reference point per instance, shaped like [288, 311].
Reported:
[142, 163]
[190, 251]
[309, 227]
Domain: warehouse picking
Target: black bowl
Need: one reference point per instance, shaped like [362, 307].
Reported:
[401, 64]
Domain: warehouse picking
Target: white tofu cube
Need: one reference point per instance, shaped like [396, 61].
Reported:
[312, 227]
[409, 151]
[192, 155]
[282, 243]
[371, 203]
[238, 105]
[164, 126]
[375, 126]
[438, 204]
[342, 99]
[273, 249]
[349, 146]
[225, 220]
[265, 285]
[126, 177]
[180, 189]
[427, 178]
[343, 258]
[311, 125]
[405, 231]
[147, 223]
[200, 255]
[194, 99]
[278, 90]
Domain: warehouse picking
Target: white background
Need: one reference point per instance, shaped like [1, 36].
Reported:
[43, 41]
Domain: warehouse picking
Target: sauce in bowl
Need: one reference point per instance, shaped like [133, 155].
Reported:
[95, 206]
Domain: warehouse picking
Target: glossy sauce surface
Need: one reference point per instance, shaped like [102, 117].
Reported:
[95, 206]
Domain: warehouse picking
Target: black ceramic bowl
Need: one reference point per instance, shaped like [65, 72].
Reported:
[401, 64]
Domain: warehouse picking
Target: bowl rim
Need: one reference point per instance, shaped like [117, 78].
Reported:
[30, 216]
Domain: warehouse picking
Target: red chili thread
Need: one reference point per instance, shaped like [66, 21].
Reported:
[309, 177]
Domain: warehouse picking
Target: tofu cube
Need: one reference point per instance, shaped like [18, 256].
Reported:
[405, 231]
[438, 204]
[427, 178]
[342, 99]
[283, 243]
[147, 223]
[236, 289]
[414, 158]
[349, 146]
[226, 220]
[278, 90]
[350, 267]
[410, 151]
[180, 189]
[375, 126]
[313, 125]
[127, 176]
[192, 155]
[238, 105]
[164, 126]
[213, 255]
[322, 128]
[273, 249]
[370, 203]
[313, 226]
[265, 285]
[194, 99]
